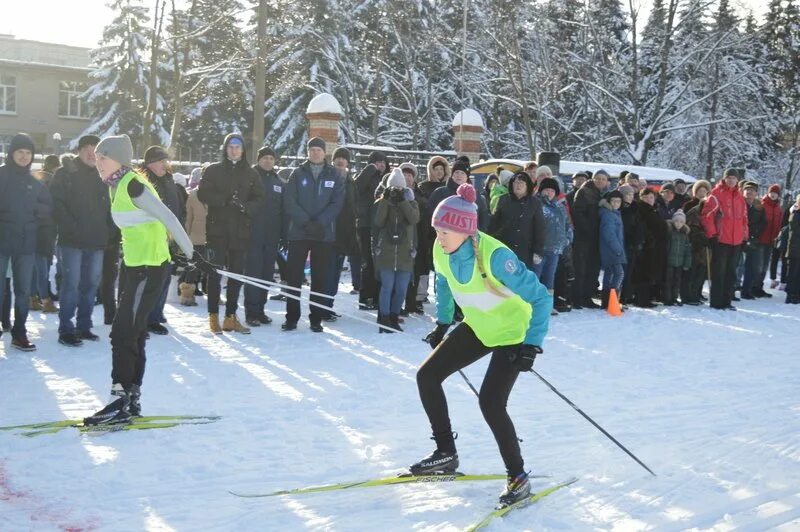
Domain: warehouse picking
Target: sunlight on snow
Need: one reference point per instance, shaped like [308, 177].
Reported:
[311, 519]
[154, 523]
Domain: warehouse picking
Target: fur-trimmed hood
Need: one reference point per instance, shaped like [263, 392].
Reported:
[438, 158]
[604, 204]
[685, 229]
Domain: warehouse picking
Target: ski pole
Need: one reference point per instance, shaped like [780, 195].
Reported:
[261, 283]
[590, 420]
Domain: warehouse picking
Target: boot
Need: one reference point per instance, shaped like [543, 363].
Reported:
[441, 461]
[116, 411]
[34, 303]
[135, 408]
[231, 324]
[213, 323]
[604, 299]
[384, 320]
[394, 322]
[517, 488]
[553, 311]
[48, 307]
[187, 295]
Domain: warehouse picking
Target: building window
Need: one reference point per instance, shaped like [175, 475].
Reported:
[70, 103]
[8, 93]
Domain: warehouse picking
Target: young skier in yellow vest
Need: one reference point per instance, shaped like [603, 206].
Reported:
[506, 313]
[145, 223]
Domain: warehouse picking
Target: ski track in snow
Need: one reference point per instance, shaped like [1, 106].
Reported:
[709, 400]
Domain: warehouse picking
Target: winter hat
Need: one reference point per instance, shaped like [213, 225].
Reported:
[750, 184]
[613, 194]
[601, 172]
[774, 188]
[700, 184]
[179, 179]
[194, 179]
[155, 154]
[88, 140]
[263, 151]
[576, 175]
[458, 213]
[235, 139]
[396, 179]
[464, 159]
[544, 171]
[625, 190]
[21, 141]
[549, 182]
[316, 142]
[668, 186]
[679, 215]
[504, 176]
[411, 167]
[377, 157]
[460, 165]
[730, 172]
[341, 153]
[679, 181]
[117, 148]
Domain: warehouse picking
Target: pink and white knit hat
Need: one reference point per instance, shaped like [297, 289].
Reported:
[458, 213]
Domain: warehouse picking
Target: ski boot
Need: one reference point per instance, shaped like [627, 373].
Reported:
[135, 408]
[517, 489]
[444, 460]
[116, 411]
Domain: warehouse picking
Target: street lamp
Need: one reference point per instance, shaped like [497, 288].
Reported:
[57, 141]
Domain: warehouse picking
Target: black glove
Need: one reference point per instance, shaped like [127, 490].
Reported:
[436, 336]
[237, 204]
[522, 356]
[199, 262]
[314, 230]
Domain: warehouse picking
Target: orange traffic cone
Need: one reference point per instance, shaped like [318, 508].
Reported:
[613, 304]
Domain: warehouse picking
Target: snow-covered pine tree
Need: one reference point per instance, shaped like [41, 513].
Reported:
[120, 74]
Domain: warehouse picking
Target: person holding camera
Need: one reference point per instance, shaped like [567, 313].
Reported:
[394, 243]
[506, 313]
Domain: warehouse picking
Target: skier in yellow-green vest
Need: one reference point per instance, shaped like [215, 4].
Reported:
[145, 223]
[506, 313]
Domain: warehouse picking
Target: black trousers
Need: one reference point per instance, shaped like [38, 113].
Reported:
[458, 350]
[672, 284]
[321, 270]
[724, 259]
[108, 280]
[261, 264]
[369, 283]
[793, 278]
[139, 290]
[632, 255]
[778, 256]
[586, 261]
[565, 277]
[693, 282]
[232, 260]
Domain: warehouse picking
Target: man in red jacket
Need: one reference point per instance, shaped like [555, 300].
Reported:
[724, 219]
[774, 216]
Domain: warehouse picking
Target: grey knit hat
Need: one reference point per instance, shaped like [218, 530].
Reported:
[118, 148]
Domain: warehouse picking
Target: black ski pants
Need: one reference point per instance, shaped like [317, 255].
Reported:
[460, 349]
[369, 283]
[724, 259]
[139, 291]
[586, 261]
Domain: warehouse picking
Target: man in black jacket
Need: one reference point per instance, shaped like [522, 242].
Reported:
[578, 179]
[313, 198]
[586, 247]
[81, 209]
[156, 167]
[366, 184]
[265, 238]
[232, 192]
[24, 201]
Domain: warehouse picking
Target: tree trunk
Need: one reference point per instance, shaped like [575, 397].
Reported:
[258, 100]
[712, 129]
[152, 83]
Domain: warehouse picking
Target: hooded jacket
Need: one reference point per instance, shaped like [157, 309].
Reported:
[586, 213]
[268, 214]
[679, 247]
[24, 203]
[612, 236]
[519, 223]
[222, 184]
[367, 182]
[774, 217]
[558, 227]
[395, 239]
[724, 215]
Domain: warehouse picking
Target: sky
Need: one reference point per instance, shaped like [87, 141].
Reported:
[62, 22]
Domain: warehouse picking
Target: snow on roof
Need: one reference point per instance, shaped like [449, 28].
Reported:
[567, 168]
[468, 117]
[324, 103]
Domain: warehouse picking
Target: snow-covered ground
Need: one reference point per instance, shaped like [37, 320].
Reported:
[709, 400]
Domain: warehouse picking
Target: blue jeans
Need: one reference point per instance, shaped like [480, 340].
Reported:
[156, 315]
[40, 280]
[393, 291]
[613, 277]
[546, 270]
[80, 274]
[753, 263]
[22, 272]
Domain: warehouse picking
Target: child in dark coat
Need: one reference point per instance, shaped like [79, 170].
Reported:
[679, 258]
[612, 244]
